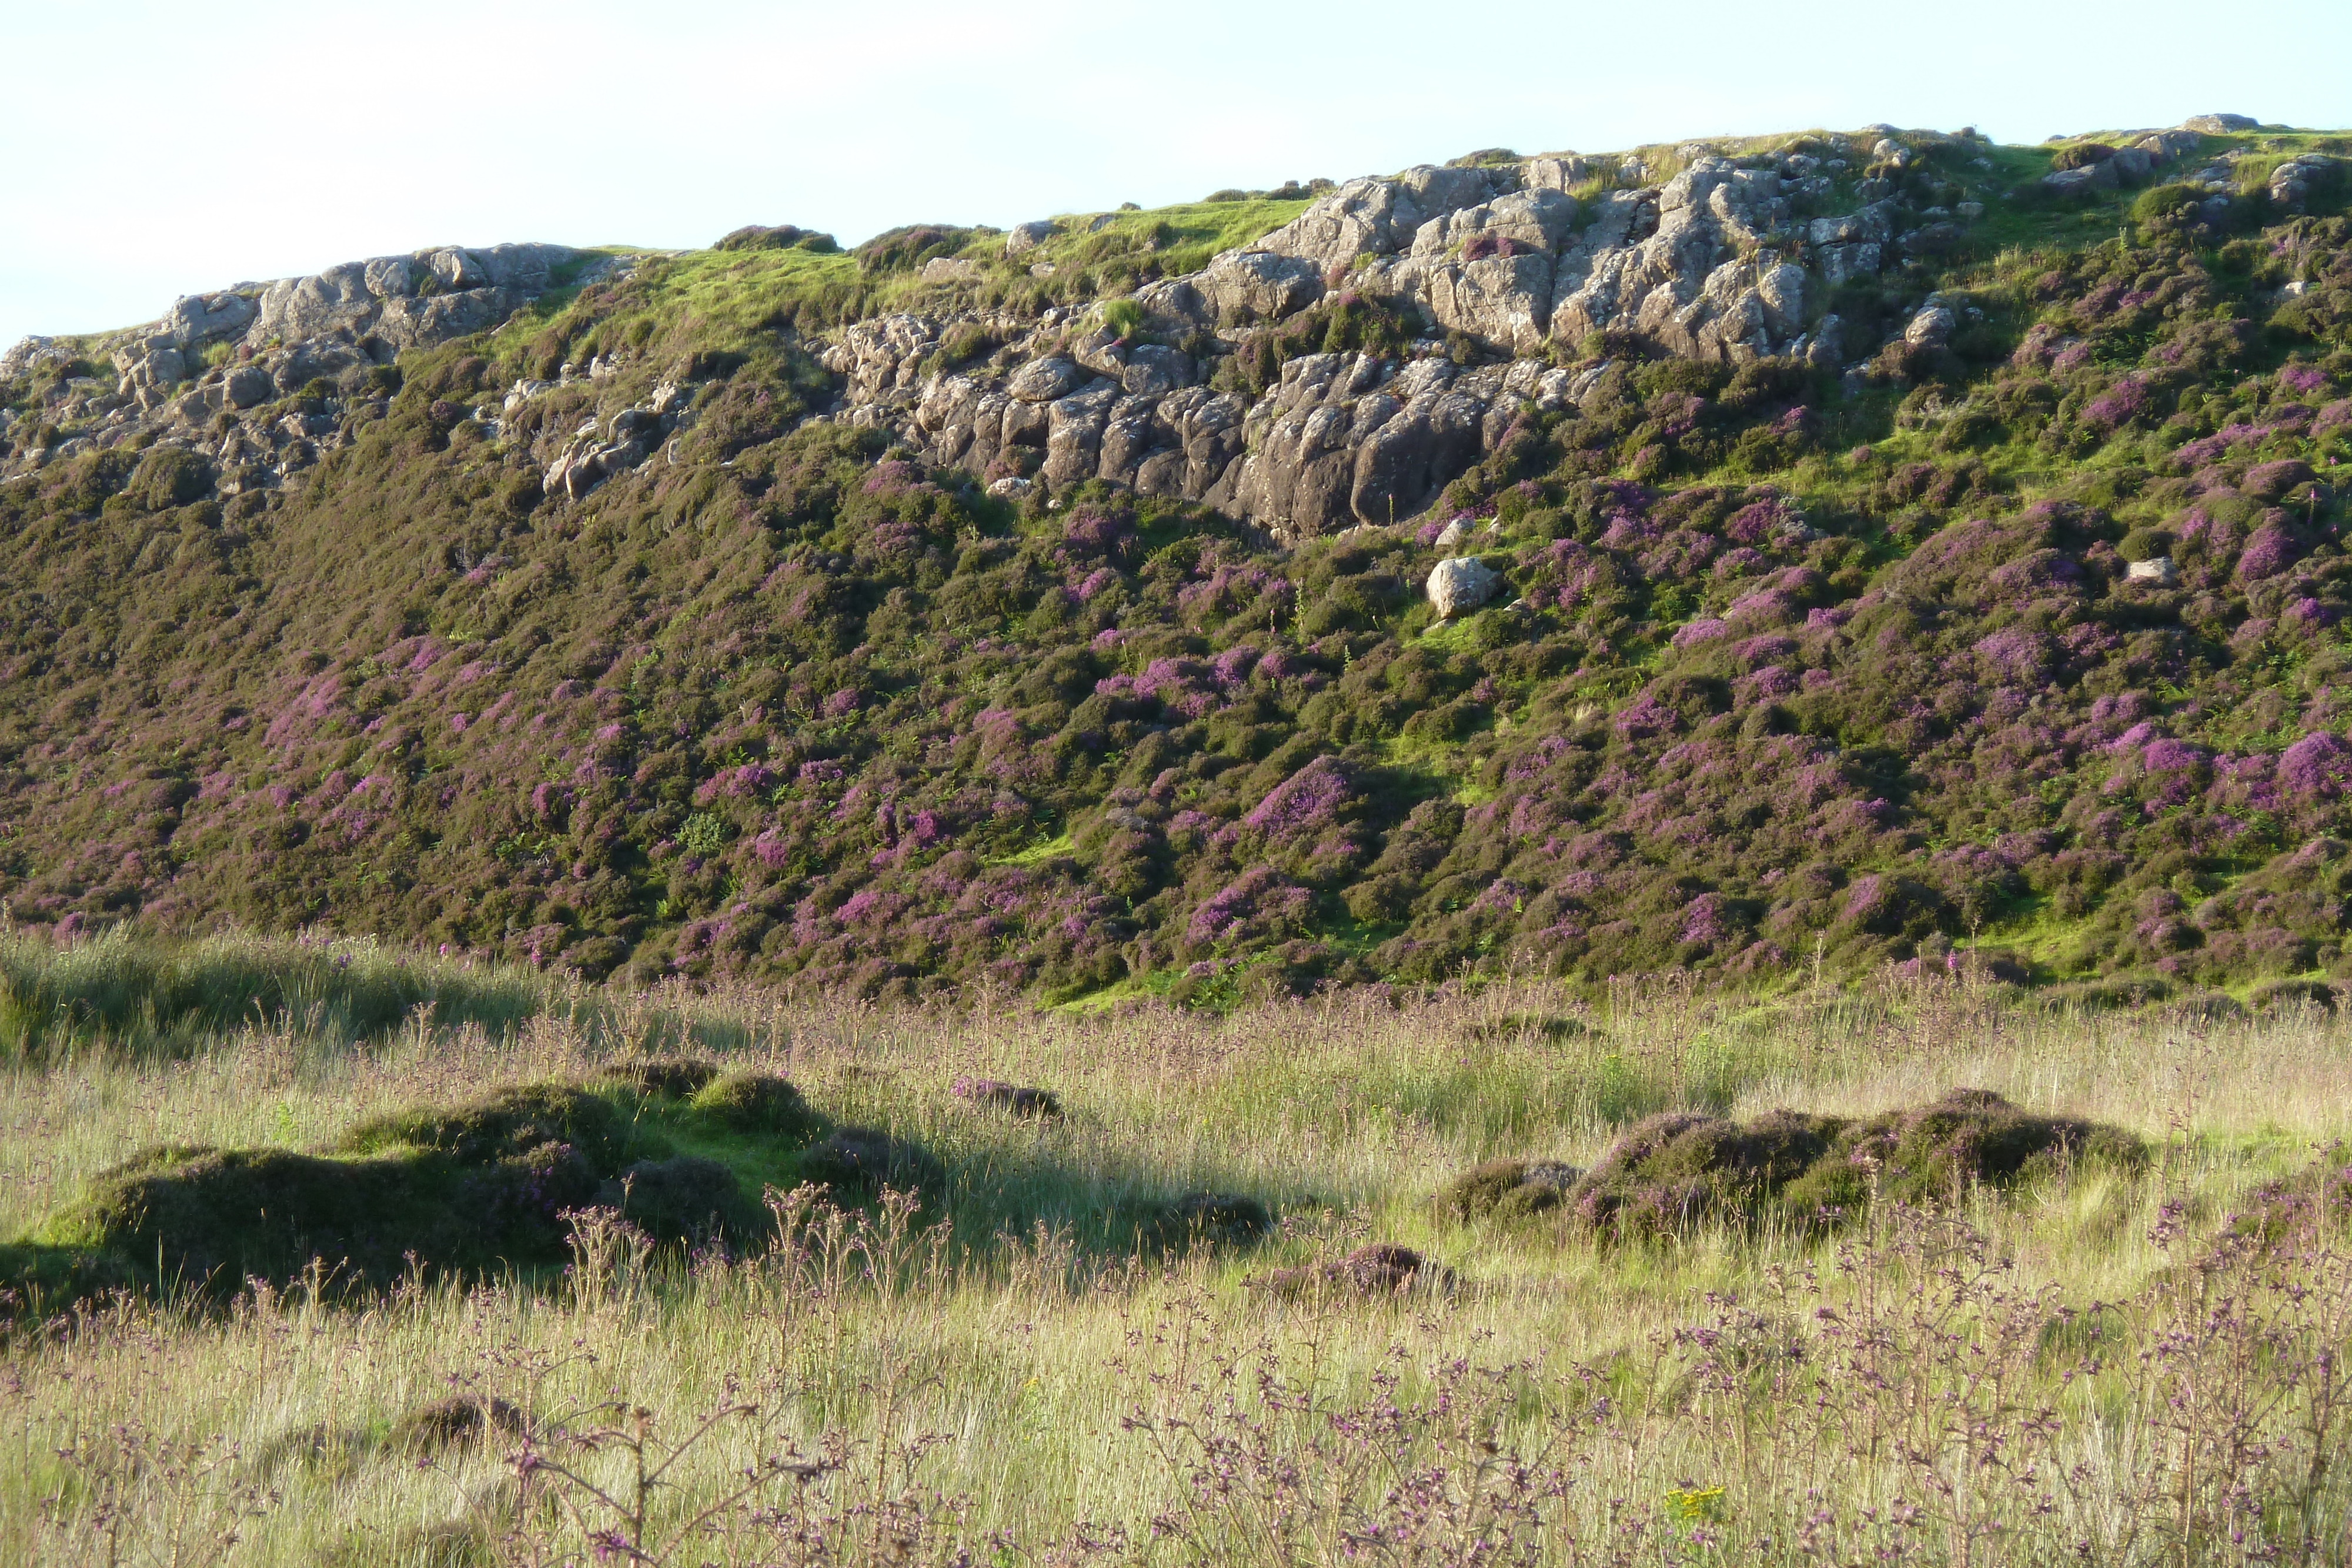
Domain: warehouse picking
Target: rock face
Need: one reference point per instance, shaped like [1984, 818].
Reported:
[283, 338]
[1716, 263]
[1493, 272]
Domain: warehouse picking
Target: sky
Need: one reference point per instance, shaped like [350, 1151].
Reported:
[151, 151]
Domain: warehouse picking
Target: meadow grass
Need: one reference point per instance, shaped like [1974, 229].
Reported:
[1003, 1376]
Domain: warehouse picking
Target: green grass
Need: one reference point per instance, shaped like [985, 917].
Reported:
[1039, 853]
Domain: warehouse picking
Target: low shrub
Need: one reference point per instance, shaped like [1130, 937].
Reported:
[860, 1162]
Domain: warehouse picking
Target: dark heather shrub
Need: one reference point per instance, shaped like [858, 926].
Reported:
[997, 1094]
[661, 1077]
[1677, 1170]
[458, 1418]
[682, 1198]
[1381, 1269]
[1508, 1188]
[1206, 1218]
[859, 1161]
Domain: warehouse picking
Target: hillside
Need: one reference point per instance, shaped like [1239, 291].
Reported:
[1868, 548]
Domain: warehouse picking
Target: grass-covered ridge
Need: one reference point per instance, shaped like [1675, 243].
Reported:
[1794, 671]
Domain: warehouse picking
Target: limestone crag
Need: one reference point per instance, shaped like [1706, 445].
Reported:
[1712, 264]
[1491, 278]
[229, 352]
[1506, 266]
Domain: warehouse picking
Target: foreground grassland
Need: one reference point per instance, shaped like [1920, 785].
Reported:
[2107, 1365]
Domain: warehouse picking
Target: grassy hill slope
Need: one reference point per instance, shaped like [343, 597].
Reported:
[1792, 672]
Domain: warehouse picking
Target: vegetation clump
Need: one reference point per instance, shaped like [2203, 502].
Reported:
[1508, 1188]
[661, 1077]
[501, 1125]
[458, 1418]
[758, 1102]
[994, 1094]
[681, 1199]
[1205, 1219]
[1680, 1169]
[1382, 1269]
[861, 1162]
[467, 1189]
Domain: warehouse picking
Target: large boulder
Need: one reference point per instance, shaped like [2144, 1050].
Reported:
[1243, 286]
[203, 318]
[1461, 585]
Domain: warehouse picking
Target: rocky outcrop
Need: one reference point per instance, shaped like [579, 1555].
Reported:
[1511, 258]
[226, 354]
[1504, 270]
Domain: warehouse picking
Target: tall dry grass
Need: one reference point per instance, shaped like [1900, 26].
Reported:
[2078, 1372]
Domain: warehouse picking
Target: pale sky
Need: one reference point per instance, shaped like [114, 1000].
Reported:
[149, 151]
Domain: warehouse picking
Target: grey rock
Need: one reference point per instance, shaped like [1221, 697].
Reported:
[201, 319]
[2219, 124]
[1930, 329]
[2156, 571]
[1539, 220]
[1244, 286]
[1555, 172]
[2164, 146]
[1505, 300]
[1025, 238]
[2090, 177]
[1046, 380]
[246, 386]
[458, 269]
[390, 278]
[1461, 584]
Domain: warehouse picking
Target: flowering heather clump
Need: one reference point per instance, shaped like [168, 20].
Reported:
[2304, 381]
[2123, 403]
[1308, 802]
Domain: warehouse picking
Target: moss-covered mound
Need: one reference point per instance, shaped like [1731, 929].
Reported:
[860, 1162]
[1203, 1219]
[660, 1077]
[1811, 1171]
[471, 1188]
[1508, 1189]
[506, 1123]
[214, 1217]
[681, 1199]
[758, 1102]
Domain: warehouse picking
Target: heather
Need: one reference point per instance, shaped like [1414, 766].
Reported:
[1794, 674]
[2021, 1348]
